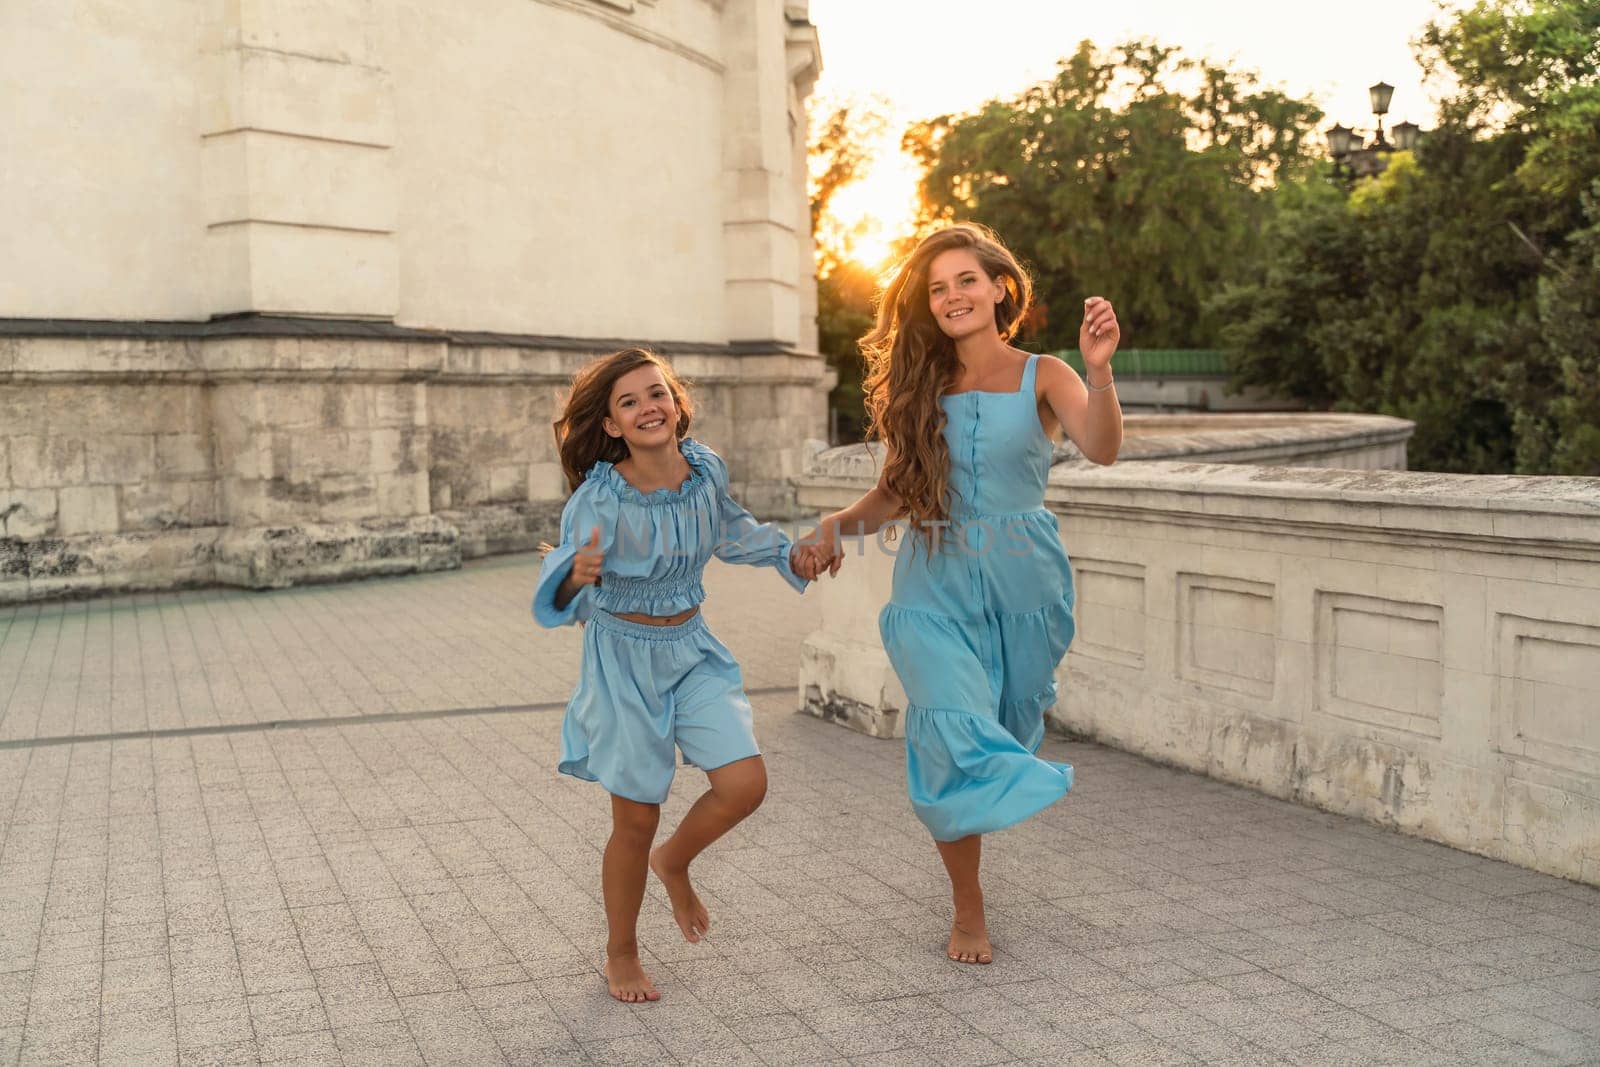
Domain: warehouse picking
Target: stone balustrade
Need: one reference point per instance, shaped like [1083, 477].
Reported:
[1419, 650]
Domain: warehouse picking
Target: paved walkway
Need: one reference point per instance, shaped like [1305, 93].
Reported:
[404, 879]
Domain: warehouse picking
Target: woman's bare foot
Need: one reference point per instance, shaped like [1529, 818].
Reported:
[969, 940]
[626, 978]
[691, 915]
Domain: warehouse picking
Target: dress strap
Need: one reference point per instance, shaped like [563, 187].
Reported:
[1029, 372]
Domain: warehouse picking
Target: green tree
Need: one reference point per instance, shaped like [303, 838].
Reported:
[1112, 178]
[1452, 290]
[1569, 317]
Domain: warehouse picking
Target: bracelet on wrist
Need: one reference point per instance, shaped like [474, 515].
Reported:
[1098, 388]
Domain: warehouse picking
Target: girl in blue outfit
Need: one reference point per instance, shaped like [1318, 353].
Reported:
[649, 508]
[981, 608]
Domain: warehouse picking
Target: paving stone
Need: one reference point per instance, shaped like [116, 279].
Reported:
[394, 892]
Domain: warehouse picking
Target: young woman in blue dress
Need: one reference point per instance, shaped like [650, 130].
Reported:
[650, 507]
[981, 609]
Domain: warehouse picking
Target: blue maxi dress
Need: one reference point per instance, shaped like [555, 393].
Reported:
[978, 619]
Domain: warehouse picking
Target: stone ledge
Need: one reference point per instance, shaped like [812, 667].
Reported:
[492, 529]
[275, 557]
[1508, 509]
[96, 564]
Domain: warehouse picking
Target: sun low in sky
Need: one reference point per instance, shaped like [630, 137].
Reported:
[921, 58]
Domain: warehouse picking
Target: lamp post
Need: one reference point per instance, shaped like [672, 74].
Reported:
[1354, 157]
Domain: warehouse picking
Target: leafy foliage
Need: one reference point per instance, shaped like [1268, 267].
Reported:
[1108, 178]
[1459, 288]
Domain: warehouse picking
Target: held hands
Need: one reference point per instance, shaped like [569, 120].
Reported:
[815, 553]
[1097, 339]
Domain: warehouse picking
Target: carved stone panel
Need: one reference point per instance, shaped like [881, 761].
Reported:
[1378, 662]
[1110, 611]
[1227, 629]
[1548, 694]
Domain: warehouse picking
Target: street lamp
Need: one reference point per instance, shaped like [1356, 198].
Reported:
[1353, 157]
[1380, 95]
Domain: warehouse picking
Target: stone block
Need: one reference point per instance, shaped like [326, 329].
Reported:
[119, 459]
[386, 451]
[337, 498]
[763, 310]
[225, 354]
[167, 505]
[288, 406]
[359, 274]
[27, 513]
[507, 484]
[400, 404]
[494, 528]
[401, 495]
[277, 557]
[39, 462]
[546, 481]
[324, 453]
[758, 402]
[20, 409]
[182, 455]
[300, 180]
[346, 406]
[338, 354]
[852, 683]
[247, 503]
[87, 509]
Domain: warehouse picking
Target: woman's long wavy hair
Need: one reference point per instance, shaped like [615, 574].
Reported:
[581, 436]
[911, 363]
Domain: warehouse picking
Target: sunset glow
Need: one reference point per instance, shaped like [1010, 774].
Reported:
[904, 53]
[882, 205]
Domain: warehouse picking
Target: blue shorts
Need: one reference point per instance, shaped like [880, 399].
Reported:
[643, 690]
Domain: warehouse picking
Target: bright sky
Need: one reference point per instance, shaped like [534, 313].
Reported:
[933, 57]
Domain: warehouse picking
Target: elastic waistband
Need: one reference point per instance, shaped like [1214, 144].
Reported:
[984, 516]
[676, 632]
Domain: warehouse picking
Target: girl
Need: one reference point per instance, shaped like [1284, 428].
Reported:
[650, 507]
[981, 608]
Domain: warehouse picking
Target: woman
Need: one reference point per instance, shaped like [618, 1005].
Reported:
[981, 608]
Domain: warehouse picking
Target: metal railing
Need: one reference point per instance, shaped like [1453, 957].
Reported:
[1159, 362]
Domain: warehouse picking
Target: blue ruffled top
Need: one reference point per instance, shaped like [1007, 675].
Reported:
[656, 544]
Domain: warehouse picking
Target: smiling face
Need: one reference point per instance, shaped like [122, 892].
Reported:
[961, 297]
[642, 411]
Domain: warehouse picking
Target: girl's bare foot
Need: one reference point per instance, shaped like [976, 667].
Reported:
[969, 940]
[626, 978]
[691, 915]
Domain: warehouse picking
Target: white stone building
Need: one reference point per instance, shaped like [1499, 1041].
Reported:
[293, 288]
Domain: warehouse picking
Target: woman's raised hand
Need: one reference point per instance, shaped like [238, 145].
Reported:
[586, 564]
[1098, 335]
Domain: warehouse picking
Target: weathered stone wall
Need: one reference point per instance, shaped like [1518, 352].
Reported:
[265, 460]
[105, 476]
[1419, 650]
